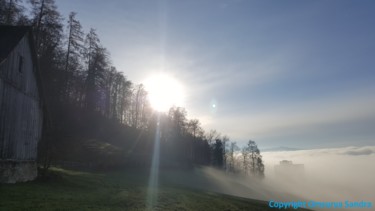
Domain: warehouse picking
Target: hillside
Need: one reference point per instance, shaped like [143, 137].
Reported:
[74, 190]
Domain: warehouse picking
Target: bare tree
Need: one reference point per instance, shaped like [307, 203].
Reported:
[252, 160]
[231, 156]
[245, 161]
[212, 135]
[139, 107]
[193, 127]
[225, 141]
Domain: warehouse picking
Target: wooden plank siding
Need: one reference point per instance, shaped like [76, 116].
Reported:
[20, 106]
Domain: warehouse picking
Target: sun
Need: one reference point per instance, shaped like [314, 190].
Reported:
[164, 92]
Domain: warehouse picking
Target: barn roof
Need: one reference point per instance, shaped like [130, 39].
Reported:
[10, 36]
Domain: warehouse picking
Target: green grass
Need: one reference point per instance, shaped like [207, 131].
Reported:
[74, 190]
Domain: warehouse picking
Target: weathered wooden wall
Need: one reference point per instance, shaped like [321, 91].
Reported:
[20, 107]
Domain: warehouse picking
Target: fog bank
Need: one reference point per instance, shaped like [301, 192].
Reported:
[336, 174]
[331, 175]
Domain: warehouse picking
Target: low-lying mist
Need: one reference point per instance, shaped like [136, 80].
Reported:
[331, 175]
[337, 174]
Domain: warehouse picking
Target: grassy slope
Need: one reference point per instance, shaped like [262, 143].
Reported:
[73, 190]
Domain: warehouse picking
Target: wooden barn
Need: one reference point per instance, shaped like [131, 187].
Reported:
[21, 113]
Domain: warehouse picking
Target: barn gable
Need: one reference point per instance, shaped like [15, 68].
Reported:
[21, 114]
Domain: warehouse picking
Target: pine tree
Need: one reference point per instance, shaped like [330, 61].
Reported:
[12, 13]
[97, 63]
[73, 58]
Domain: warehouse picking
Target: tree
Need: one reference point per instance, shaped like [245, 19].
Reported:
[139, 107]
[178, 120]
[75, 39]
[73, 57]
[111, 92]
[225, 141]
[48, 26]
[122, 104]
[219, 153]
[245, 161]
[212, 135]
[195, 130]
[193, 127]
[96, 58]
[48, 31]
[231, 157]
[257, 166]
[12, 13]
[91, 46]
[255, 163]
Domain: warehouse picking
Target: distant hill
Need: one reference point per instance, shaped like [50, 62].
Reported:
[276, 149]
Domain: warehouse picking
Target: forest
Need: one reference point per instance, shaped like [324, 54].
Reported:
[97, 118]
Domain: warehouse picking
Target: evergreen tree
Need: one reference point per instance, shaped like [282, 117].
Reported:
[218, 152]
[73, 64]
[97, 63]
[12, 13]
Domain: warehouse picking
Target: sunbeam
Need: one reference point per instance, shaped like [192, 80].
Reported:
[154, 173]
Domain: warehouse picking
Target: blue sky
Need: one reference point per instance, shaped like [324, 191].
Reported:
[283, 73]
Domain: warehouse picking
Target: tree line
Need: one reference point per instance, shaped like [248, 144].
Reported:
[97, 117]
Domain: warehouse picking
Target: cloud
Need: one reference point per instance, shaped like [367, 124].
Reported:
[358, 151]
[319, 153]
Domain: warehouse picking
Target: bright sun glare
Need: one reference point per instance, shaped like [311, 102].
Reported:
[164, 92]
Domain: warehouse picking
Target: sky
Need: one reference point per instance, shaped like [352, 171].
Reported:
[298, 74]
